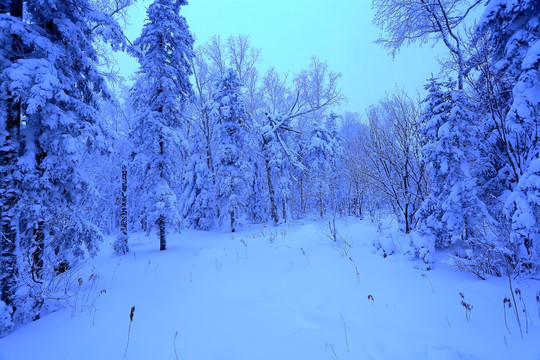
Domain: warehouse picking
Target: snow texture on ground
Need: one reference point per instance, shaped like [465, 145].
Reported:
[279, 293]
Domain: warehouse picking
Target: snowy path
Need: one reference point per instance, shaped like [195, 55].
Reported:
[296, 297]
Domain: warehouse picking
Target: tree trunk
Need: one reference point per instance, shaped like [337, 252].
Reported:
[121, 243]
[407, 220]
[161, 219]
[302, 196]
[271, 192]
[232, 220]
[162, 234]
[38, 234]
[284, 209]
[123, 210]
[38, 240]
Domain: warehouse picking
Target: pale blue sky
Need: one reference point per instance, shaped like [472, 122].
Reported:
[290, 32]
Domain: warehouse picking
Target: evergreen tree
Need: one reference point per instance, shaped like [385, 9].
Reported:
[452, 213]
[233, 170]
[513, 35]
[10, 14]
[161, 93]
[198, 197]
[51, 79]
[322, 155]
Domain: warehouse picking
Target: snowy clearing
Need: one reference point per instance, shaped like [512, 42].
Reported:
[279, 293]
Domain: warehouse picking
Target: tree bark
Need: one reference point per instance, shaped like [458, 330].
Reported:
[161, 219]
[38, 240]
[232, 220]
[123, 210]
[271, 192]
[162, 233]
[121, 243]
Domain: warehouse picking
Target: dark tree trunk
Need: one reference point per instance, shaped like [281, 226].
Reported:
[302, 196]
[162, 233]
[9, 183]
[161, 219]
[121, 244]
[38, 242]
[123, 210]
[271, 192]
[407, 219]
[232, 220]
[284, 209]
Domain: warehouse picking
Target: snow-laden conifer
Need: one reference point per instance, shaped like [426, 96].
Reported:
[53, 77]
[233, 170]
[453, 212]
[513, 33]
[161, 94]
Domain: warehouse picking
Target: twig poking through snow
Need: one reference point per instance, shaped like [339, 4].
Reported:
[332, 347]
[515, 304]
[129, 329]
[518, 293]
[345, 330]
[114, 272]
[307, 257]
[468, 307]
[538, 303]
[245, 245]
[174, 343]
[505, 302]
[355, 268]
[147, 265]
[426, 277]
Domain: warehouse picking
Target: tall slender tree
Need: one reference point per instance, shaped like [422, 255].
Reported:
[162, 92]
[233, 168]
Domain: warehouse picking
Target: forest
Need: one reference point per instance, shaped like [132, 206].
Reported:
[203, 141]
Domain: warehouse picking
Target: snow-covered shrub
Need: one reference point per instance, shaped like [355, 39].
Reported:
[423, 249]
[384, 244]
[6, 323]
[120, 245]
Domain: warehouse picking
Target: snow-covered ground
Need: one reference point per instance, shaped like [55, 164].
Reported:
[279, 293]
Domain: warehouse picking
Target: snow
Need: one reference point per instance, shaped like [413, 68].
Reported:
[279, 293]
[532, 57]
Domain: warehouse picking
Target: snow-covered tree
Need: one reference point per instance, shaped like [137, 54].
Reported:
[161, 94]
[453, 212]
[277, 168]
[10, 121]
[198, 197]
[405, 22]
[291, 110]
[322, 157]
[53, 81]
[233, 170]
[513, 37]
